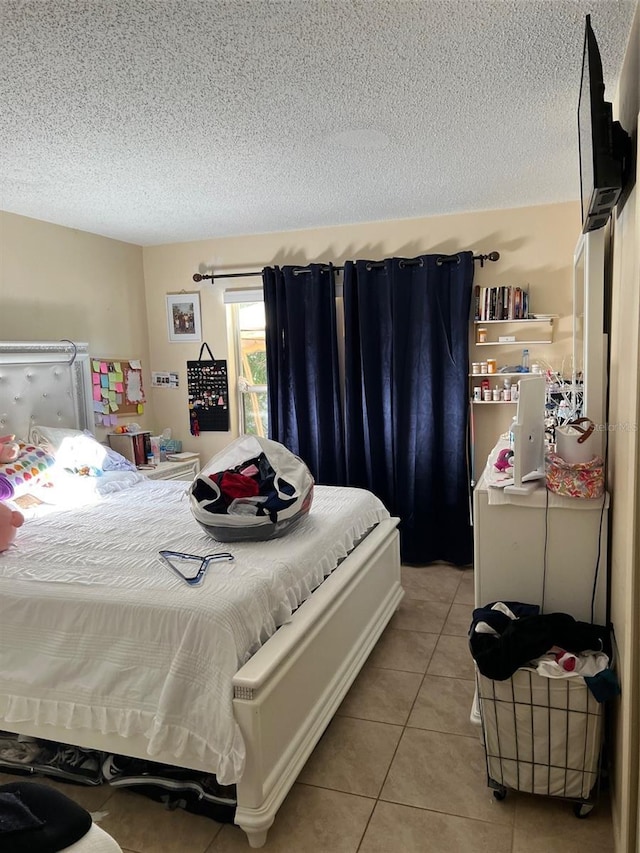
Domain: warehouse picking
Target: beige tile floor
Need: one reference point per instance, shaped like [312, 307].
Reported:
[400, 768]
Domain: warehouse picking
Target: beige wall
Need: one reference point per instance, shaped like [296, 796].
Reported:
[536, 246]
[624, 469]
[59, 283]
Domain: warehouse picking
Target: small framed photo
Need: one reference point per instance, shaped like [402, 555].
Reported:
[183, 317]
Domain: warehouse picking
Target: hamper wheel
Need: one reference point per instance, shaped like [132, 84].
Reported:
[582, 810]
[500, 793]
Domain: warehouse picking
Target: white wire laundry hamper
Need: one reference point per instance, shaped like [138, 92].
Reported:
[542, 736]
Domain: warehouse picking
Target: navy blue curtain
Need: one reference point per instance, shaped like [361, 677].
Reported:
[305, 413]
[406, 365]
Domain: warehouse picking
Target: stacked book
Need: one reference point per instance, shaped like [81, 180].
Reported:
[501, 303]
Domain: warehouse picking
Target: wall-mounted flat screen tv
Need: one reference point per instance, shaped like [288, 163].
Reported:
[603, 145]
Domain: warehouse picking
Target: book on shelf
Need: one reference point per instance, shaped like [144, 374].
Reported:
[501, 303]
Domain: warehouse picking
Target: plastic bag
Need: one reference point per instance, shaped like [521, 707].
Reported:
[254, 489]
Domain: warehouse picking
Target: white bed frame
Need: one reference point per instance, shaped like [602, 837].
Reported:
[287, 693]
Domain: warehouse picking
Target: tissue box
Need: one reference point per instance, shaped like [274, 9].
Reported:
[170, 445]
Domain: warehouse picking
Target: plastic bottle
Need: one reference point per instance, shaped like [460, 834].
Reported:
[525, 361]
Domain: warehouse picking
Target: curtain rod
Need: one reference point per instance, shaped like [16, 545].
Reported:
[492, 256]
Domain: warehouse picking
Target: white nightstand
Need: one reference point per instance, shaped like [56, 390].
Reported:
[183, 470]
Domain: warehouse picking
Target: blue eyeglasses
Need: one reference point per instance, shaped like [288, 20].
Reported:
[204, 562]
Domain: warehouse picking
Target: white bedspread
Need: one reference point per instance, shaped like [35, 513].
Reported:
[96, 633]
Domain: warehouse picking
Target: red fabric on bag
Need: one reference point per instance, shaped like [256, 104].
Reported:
[234, 486]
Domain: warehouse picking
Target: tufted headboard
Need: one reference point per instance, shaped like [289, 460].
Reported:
[44, 382]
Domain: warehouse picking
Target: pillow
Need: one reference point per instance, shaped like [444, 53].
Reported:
[80, 451]
[75, 448]
[29, 469]
[115, 461]
[52, 437]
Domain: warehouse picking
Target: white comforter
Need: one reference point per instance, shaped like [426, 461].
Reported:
[96, 633]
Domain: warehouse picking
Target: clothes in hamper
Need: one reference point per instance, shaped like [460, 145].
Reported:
[604, 685]
[562, 664]
[526, 638]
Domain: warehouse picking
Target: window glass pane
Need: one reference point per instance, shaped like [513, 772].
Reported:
[253, 356]
[254, 404]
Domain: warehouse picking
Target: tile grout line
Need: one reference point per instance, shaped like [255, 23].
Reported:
[404, 727]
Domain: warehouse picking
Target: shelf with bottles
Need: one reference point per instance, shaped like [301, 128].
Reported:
[493, 402]
[496, 375]
[493, 388]
[482, 333]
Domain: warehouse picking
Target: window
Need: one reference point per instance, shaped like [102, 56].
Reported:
[251, 359]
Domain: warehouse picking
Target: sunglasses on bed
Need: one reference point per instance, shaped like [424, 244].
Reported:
[176, 559]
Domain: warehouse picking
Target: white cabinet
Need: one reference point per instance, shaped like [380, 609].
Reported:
[541, 549]
[184, 470]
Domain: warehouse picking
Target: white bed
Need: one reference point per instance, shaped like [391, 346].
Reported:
[147, 683]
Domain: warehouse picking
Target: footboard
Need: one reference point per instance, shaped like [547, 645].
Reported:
[285, 696]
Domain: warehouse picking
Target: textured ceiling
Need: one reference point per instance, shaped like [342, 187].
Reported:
[156, 121]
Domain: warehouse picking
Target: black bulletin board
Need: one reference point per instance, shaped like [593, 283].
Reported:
[208, 392]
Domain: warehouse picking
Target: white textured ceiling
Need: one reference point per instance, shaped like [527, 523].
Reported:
[156, 121]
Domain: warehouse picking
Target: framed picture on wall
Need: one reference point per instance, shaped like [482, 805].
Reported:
[183, 317]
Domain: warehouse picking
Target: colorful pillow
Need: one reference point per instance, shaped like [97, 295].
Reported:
[29, 469]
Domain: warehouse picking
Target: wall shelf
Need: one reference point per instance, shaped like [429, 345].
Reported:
[496, 375]
[510, 344]
[540, 330]
[493, 402]
[548, 319]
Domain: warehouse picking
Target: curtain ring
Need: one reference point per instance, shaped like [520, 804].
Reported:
[420, 262]
[439, 261]
[368, 267]
[458, 259]
[402, 265]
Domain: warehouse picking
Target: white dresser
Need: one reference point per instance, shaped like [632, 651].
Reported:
[541, 545]
[185, 469]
